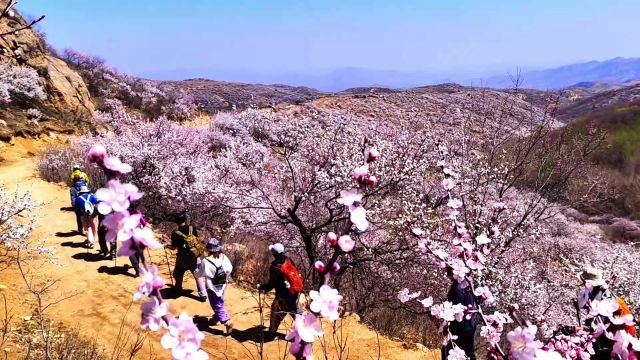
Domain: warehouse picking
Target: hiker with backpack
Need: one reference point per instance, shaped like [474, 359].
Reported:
[189, 252]
[78, 179]
[216, 269]
[85, 207]
[461, 292]
[286, 280]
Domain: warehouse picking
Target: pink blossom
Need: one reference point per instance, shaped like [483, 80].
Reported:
[96, 154]
[373, 155]
[417, 231]
[319, 266]
[307, 327]
[326, 302]
[624, 341]
[360, 173]
[458, 268]
[484, 293]
[141, 238]
[449, 312]
[305, 330]
[523, 343]
[404, 295]
[605, 307]
[448, 183]
[358, 217]
[426, 303]
[115, 165]
[456, 354]
[332, 238]
[116, 197]
[350, 197]
[482, 239]
[120, 225]
[440, 254]
[184, 339]
[153, 313]
[454, 203]
[372, 180]
[335, 268]
[149, 281]
[345, 243]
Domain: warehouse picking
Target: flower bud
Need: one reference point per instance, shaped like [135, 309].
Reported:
[372, 180]
[335, 268]
[332, 238]
[319, 265]
[373, 155]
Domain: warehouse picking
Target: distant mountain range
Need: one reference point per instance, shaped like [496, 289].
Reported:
[616, 71]
[613, 72]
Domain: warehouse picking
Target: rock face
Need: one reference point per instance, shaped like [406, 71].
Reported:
[67, 99]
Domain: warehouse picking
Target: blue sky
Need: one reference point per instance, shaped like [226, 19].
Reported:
[307, 36]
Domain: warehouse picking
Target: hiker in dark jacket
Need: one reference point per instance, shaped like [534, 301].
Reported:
[460, 292]
[85, 207]
[285, 303]
[186, 260]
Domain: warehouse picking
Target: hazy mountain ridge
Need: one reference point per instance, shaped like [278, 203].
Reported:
[615, 71]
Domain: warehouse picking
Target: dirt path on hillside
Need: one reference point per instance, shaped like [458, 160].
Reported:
[104, 290]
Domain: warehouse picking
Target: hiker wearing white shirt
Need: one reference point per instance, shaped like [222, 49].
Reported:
[216, 269]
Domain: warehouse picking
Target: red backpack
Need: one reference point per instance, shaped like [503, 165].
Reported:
[293, 277]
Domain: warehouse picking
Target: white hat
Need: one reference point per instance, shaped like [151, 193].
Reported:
[277, 248]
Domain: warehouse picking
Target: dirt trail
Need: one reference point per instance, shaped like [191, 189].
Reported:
[104, 290]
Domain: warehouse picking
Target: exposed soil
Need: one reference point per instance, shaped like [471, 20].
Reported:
[104, 288]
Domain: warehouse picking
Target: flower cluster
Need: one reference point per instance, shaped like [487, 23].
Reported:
[182, 336]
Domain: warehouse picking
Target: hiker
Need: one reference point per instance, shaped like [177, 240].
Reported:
[78, 180]
[216, 269]
[286, 280]
[596, 289]
[78, 175]
[460, 292]
[85, 207]
[189, 250]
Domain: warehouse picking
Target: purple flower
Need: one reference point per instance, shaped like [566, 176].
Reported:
[116, 197]
[149, 281]
[184, 339]
[97, 154]
[116, 166]
[153, 313]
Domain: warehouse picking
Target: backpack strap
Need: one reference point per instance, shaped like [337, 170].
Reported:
[179, 233]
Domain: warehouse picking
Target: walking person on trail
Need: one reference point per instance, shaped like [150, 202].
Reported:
[596, 289]
[190, 250]
[216, 269]
[460, 292]
[111, 253]
[286, 280]
[78, 179]
[85, 207]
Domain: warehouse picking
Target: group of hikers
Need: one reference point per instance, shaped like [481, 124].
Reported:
[206, 261]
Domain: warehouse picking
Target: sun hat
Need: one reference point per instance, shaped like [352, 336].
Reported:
[84, 189]
[592, 275]
[213, 245]
[76, 167]
[277, 248]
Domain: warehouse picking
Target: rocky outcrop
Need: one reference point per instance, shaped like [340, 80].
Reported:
[68, 98]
